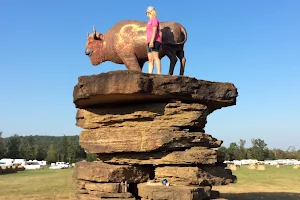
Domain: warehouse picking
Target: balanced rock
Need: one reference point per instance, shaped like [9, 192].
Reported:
[149, 127]
[124, 86]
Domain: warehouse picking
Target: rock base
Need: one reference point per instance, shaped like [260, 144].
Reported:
[152, 191]
[99, 180]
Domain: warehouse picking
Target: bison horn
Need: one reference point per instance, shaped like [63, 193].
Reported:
[95, 34]
[94, 29]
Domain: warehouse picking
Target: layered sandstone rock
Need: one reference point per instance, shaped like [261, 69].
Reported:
[125, 139]
[158, 115]
[199, 175]
[97, 180]
[194, 155]
[120, 87]
[102, 172]
[146, 127]
[148, 191]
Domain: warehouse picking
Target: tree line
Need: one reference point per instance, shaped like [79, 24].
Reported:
[49, 148]
[258, 150]
[67, 149]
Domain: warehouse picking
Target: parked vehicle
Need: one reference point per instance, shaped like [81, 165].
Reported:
[59, 165]
[32, 165]
[6, 161]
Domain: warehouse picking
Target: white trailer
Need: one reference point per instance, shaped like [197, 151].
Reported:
[6, 162]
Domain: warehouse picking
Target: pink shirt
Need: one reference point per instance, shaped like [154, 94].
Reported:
[149, 29]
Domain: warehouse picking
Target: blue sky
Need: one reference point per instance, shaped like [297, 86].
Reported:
[253, 44]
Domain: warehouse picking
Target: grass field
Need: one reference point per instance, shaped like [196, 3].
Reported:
[271, 184]
[38, 185]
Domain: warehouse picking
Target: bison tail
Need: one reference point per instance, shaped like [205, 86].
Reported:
[184, 32]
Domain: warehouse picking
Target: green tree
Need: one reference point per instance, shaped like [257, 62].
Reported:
[52, 155]
[91, 157]
[80, 153]
[259, 149]
[270, 155]
[71, 151]
[2, 147]
[40, 152]
[241, 150]
[13, 147]
[279, 154]
[63, 149]
[224, 152]
[27, 148]
[298, 154]
[233, 151]
[248, 153]
[291, 152]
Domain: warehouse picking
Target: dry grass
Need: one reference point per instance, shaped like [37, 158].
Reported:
[38, 185]
[269, 184]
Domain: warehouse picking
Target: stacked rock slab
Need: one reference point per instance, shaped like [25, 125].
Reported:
[145, 128]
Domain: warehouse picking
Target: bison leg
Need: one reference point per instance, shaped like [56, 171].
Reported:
[132, 63]
[173, 60]
[141, 63]
[180, 55]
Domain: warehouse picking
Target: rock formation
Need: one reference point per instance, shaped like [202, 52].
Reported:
[148, 133]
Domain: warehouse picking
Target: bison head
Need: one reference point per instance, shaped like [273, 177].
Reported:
[94, 47]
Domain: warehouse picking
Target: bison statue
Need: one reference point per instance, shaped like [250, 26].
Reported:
[125, 43]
